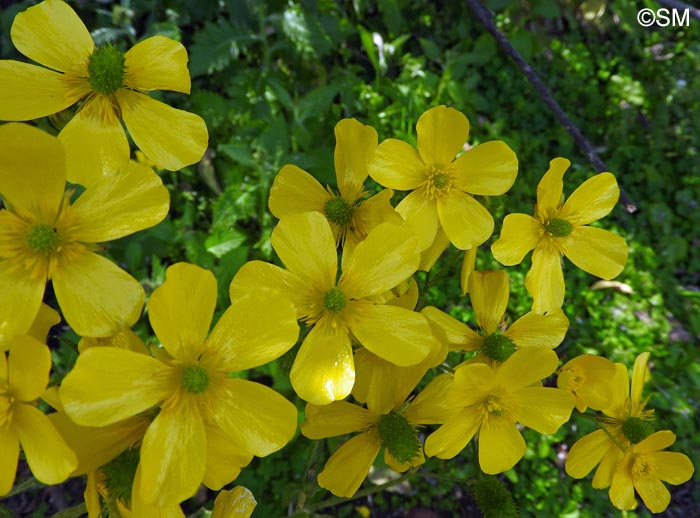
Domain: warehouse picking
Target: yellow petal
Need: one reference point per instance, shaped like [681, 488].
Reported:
[397, 165]
[181, 309]
[596, 251]
[500, 445]
[92, 496]
[587, 377]
[550, 189]
[355, 143]
[656, 441]
[347, 468]
[468, 265]
[535, 330]
[20, 299]
[654, 494]
[28, 368]
[402, 467]
[592, 200]
[239, 502]
[323, 370]
[543, 409]
[451, 438]
[606, 469]
[442, 132]
[459, 336]
[96, 296]
[294, 191]
[674, 468]
[45, 319]
[366, 216]
[527, 366]
[372, 374]
[109, 384]
[488, 169]
[639, 374]
[170, 137]
[157, 63]
[124, 339]
[429, 257]
[336, 418]
[9, 455]
[519, 235]
[465, 221]
[545, 279]
[224, 459]
[141, 508]
[489, 292]
[431, 405]
[48, 456]
[421, 216]
[472, 382]
[173, 454]
[51, 33]
[622, 490]
[586, 453]
[30, 92]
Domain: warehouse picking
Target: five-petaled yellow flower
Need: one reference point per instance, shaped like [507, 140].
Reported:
[442, 186]
[560, 228]
[110, 84]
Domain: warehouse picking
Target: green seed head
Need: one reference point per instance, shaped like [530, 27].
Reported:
[334, 300]
[106, 70]
[440, 180]
[399, 437]
[195, 379]
[498, 347]
[337, 211]
[636, 429]
[43, 238]
[493, 498]
[119, 475]
[558, 228]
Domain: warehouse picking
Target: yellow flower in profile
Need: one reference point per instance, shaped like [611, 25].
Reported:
[23, 378]
[645, 467]
[239, 502]
[202, 408]
[442, 185]
[46, 236]
[352, 213]
[339, 309]
[110, 84]
[587, 378]
[491, 402]
[560, 228]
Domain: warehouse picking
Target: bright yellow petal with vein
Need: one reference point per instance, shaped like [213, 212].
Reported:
[500, 445]
[371, 377]
[451, 438]
[336, 418]
[674, 468]
[488, 169]
[224, 459]
[551, 189]
[622, 489]
[141, 508]
[535, 330]
[489, 292]
[173, 454]
[397, 335]
[654, 494]
[596, 251]
[294, 191]
[527, 366]
[545, 279]
[30, 92]
[48, 456]
[656, 441]
[429, 257]
[586, 453]
[592, 200]
[519, 235]
[28, 368]
[639, 374]
[388, 256]
[96, 296]
[397, 165]
[157, 63]
[109, 384]
[468, 266]
[543, 409]
[431, 405]
[9, 455]
[347, 468]
[421, 216]
[51, 33]
[239, 502]
[45, 319]
[306, 246]
[442, 131]
[170, 137]
[472, 382]
[459, 336]
[323, 370]
[465, 221]
[20, 299]
[355, 144]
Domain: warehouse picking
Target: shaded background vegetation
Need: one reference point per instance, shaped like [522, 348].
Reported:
[272, 79]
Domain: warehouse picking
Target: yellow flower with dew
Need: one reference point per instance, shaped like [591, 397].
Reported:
[23, 377]
[645, 467]
[111, 86]
[340, 309]
[45, 235]
[491, 402]
[489, 292]
[441, 185]
[239, 502]
[561, 228]
[625, 422]
[587, 378]
[201, 406]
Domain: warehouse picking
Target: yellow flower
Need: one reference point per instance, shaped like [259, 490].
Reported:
[587, 378]
[43, 236]
[323, 370]
[489, 292]
[352, 213]
[239, 502]
[203, 410]
[625, 423]
[442, 185]
[45, 319]
[560, 228]
[110, 84]
[491, 402]
[23, 378]
[644, 468]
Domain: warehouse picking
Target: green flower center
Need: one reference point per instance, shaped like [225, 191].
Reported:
[334, 300]
[493, 498]
[119, 475]
[195, 379]
[498, 347]
[338, 211]
[399, 437]
[440, 180]
[43, 238]
[106, 70]
[558, 228]
[636, 429]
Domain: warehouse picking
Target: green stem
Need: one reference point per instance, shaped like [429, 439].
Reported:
[71, 512]
[23, 486]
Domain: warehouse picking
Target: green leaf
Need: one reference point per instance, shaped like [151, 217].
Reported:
[430, 49]
[370, 48]
[216, 45]
[223, 241]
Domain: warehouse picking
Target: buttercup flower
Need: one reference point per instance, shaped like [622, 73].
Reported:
[44, 236]
[442, 186]
[110, 84]
[560, 228]
[239, 502]
[587, 378]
